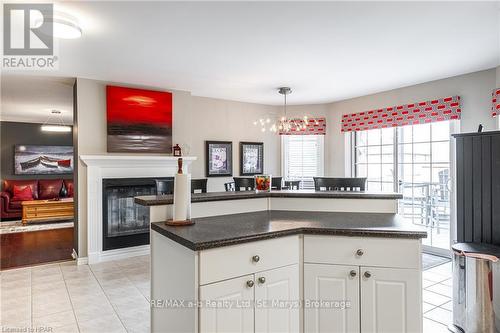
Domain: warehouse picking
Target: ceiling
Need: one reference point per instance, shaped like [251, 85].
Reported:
[326, 51]
[32, 98]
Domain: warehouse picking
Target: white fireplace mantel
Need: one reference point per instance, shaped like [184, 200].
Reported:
[100, 167]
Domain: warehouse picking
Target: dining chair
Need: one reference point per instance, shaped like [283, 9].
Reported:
[229, 187]
[339, 184]
[244, 182]
[292, 184]
[164, 186]
[276, 183]
[199, 185]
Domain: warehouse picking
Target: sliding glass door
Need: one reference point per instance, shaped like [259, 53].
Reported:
[416, 161]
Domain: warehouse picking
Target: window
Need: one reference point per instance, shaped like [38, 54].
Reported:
[303, 158]
[374, 158]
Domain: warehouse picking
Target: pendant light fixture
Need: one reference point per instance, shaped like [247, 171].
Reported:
[284, 124]
[61, 127]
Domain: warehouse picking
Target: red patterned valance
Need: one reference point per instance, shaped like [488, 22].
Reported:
[409, 114]
[314, 126]
[495, 102]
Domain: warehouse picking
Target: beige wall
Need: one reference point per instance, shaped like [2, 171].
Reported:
[212, 119]
[474, 90]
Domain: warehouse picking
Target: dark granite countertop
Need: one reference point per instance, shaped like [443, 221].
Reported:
[219, 231]
[154, 200]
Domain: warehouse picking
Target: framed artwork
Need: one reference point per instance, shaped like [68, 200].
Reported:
[139, 121]
[43, 160]
[251, 158]
[219, 158]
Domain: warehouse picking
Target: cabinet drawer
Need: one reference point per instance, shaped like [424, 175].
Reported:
[237, 260]
[382, 252]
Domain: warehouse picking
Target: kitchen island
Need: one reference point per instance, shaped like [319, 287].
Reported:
[287, 270]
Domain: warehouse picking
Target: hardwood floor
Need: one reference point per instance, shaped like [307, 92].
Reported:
[35, 247]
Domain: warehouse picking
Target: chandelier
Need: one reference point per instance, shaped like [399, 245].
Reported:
[284, 124]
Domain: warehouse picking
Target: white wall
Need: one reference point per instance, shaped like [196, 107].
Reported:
[474, 90]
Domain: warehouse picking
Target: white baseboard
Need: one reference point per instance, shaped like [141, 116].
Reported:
[117, 254]
[82, 261]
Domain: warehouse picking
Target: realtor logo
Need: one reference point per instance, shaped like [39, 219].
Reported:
[28, 37]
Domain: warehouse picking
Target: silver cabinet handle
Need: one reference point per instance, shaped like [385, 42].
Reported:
[262, 280]
[353, 273]
[250, 283]
[368, 274]
[255, 258]
[360, 252]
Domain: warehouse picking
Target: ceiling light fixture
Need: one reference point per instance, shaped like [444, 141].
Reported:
[284, 124]
[61, 127]
[65, 26]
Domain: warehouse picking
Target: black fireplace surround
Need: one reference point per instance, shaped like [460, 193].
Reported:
[126, 223]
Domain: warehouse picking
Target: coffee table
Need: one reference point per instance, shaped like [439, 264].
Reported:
[47, 210]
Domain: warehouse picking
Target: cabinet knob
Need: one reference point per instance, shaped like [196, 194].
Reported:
[368, 274]
[353, 273]
[360, 252]
[250, 283]
[255, 258]
[262, 280]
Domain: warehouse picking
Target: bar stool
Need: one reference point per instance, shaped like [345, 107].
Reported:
[199, 185]
[292, 184]
[244, 182]
[276, 183]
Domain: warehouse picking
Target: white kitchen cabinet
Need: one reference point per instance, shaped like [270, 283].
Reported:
[276, 300]
[252, 303]
[230, 314]
[391, 300]
[286, 269]
[327, 283]
[386, 288]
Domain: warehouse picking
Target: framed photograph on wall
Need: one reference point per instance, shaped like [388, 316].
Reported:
[251, 158]
[219, 158]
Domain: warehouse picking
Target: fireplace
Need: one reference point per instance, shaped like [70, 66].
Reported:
[125, 223]
[117, 167]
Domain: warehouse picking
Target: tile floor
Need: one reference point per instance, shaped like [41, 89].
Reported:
[108, 297]
[113, 297]
[437, 294]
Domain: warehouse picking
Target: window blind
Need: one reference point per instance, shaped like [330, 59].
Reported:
[303, 158]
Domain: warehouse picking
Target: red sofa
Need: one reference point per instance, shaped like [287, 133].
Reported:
[42, 189]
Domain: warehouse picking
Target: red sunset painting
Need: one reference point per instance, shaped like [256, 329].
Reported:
[139, 120]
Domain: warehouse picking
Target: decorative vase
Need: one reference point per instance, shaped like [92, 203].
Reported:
[63, 193]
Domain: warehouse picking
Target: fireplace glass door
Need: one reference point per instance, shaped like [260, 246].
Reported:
[125, 223]
[125, 217]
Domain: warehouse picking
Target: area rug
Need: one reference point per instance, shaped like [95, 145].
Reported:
[17, 226]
